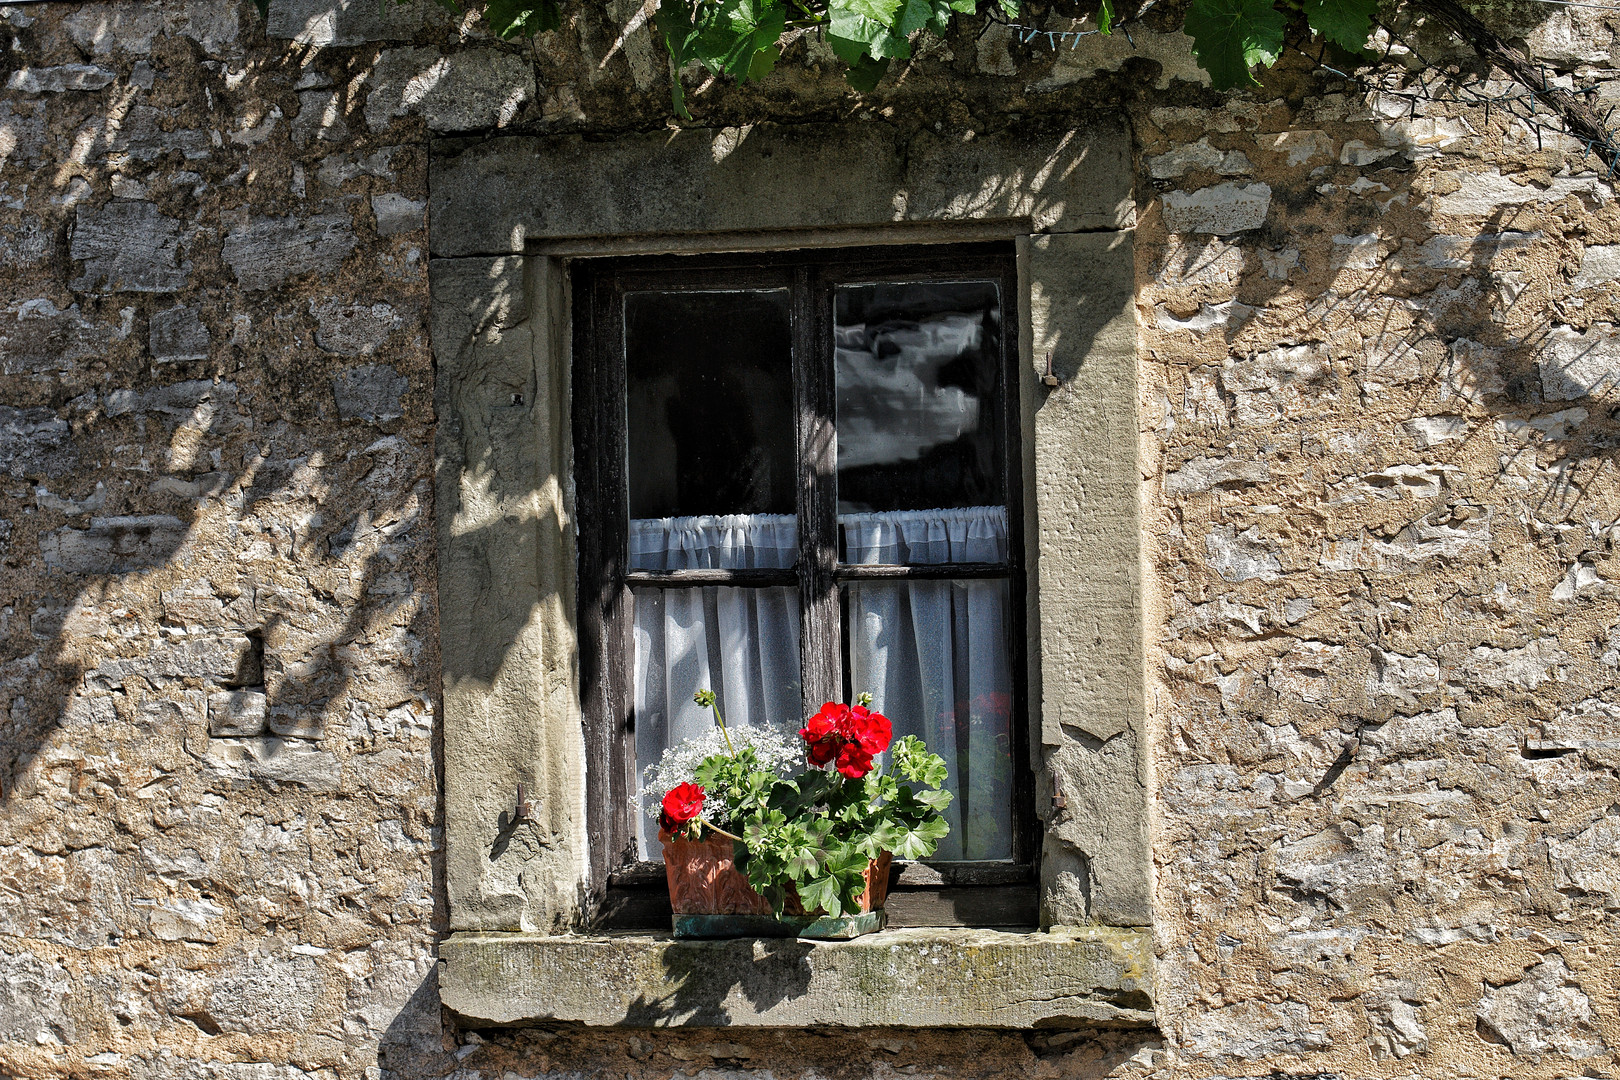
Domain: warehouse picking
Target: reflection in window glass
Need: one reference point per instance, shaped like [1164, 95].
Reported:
[919, 383]
[709, 406]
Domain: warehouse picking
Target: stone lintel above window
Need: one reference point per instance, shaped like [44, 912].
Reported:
[925, 977]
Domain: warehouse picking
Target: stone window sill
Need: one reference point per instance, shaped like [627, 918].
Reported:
[920, 977]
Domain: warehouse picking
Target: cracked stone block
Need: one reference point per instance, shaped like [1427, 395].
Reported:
[266, 252]
[128, 247]
[370, 392]
[237, 713]
[177, 334]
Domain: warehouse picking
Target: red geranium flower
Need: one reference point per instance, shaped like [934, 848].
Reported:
[850, 736]
[853, 761]
[871, 729]
[825, 723]
[683, 803]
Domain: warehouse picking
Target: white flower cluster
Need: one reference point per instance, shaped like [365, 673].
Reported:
[778, 751]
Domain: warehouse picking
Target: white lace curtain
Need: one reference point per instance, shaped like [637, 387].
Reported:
[933, 654]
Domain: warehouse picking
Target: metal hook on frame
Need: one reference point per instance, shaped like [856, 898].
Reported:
[1050, 378]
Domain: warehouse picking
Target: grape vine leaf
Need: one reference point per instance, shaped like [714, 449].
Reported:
[1346, 23]
[510, 18]
[1231, 36]
[852, 33]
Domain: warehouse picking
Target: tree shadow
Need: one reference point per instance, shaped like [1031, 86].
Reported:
[709, 977]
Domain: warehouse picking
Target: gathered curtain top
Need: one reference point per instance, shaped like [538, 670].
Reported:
[771, 541]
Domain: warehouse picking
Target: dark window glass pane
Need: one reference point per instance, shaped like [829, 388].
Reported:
[919, 385]
[935, 656]
[709, 405]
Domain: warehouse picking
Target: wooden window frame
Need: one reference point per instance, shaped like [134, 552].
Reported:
[631, 894]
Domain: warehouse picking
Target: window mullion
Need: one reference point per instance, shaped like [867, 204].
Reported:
[820, 661]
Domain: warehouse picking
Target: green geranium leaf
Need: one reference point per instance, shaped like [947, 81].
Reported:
[917, 842]
[1346, 23]
[821, 894]
[1231, 36]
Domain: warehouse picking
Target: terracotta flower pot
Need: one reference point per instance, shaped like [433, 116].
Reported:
[710, 897]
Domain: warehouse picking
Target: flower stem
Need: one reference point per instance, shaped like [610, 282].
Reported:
[706, 697]
[718, 829]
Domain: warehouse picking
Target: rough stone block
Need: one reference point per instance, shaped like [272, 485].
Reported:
[46, 338]
[327, 23]
[177, 334]
[1202, 474]
[286, 761]
[203, 404]
[35, 442]
[370, 392]
[54, 80]
[266, 252]
[1600, 265]
[397, 213]
[35, 999]
[142, 137]
[103, 28]
[1483, 194]
[1223, 209]
[114, 545]
[237, 712]
[264, 995]
[923, 978]
[1577, 365]
[1192, 157]
[128, 247]
[353, 329]
[1545, 1012]
[297, 722]
[461, 91]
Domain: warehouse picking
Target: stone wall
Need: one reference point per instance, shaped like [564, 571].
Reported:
[1380, 382]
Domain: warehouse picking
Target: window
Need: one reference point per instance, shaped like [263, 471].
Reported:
[798, 479]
